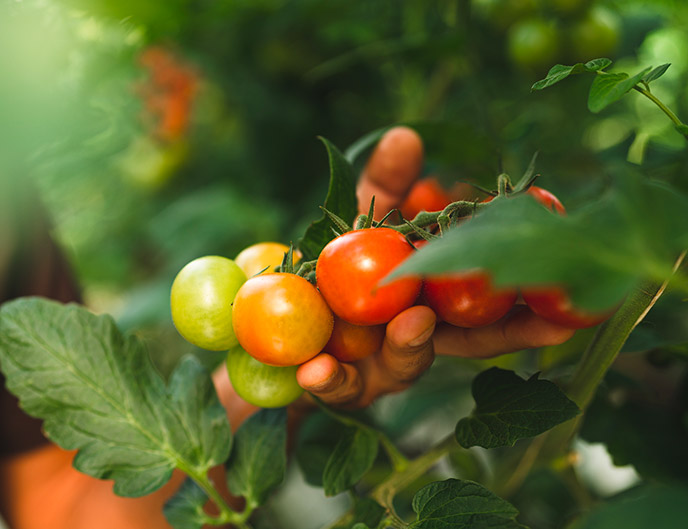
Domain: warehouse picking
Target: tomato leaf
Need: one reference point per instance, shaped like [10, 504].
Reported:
[462, 505]
[258, 460]
[599, 252]
[316, 439]
[559, 72]
[341, 200]
[366, 513]
[351, 459]
[610, 87]
[656, 73]
[184, 510]
[509, 408]
[646, 506]
[98, 392]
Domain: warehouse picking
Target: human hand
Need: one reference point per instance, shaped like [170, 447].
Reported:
[414, 336]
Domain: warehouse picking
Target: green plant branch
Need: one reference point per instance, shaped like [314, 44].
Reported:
[677, 122]
[461, 208]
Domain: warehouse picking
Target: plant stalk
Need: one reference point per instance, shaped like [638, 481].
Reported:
[677, 122]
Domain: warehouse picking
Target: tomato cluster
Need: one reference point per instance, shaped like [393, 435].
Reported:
[273, 321]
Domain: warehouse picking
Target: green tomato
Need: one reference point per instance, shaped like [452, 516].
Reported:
[595, 35]
[533, 43]
[260, 384]
[201, 301]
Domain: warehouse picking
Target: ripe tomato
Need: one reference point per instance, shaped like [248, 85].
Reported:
[425, 195]
[263, 255]
[260, 384]
[351, 266]
[553, 304]
[468, 299]
[281, 319]
[544, 197]
[350, 342]
[201, 301]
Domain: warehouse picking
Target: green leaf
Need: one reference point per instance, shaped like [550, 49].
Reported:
[610, 87]
[341, 200]
[98, 392]
[366, 513]
[596, 65]
[184, 510]
[660, 506]
[460, 504]
[352, 457]
[557, 73]
[258, 460]
[599, 252]
[656, 73]
[509, 408]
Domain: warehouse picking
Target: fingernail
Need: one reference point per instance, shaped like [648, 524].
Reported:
[422, 337]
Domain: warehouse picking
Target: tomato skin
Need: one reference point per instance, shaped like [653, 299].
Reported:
[553, 304]
[425, 195]
[351, 266]
[257, 257]
[350, 342]
[201, 301]
[260, 384]
[281, 319]
[468, 299]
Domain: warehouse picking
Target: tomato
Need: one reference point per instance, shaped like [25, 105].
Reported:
[553, 304]
[201, 301]
[258, 257]
[260, 384]
[281, 319]
[544, 197]
[595, 35]
[351, 266]
[533, 43]
[350, 342]
[468, 299]
[425, 195]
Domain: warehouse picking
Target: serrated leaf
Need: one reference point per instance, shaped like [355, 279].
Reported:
[352, 457]
[656, 73]
[184, 510]
[557, 73]
[98, 393]
[610, 87]
[458, 504]
[341, 200]
[258, 460]
[599, 252]
[656, 505]
[509, 408]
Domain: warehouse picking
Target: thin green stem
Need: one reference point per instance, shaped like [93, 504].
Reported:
[663, 108]
[461, 208]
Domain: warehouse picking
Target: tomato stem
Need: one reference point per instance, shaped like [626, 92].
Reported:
[455, 210]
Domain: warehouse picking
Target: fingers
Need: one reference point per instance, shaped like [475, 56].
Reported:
[392, 168]
[521, 329]
[330, 380]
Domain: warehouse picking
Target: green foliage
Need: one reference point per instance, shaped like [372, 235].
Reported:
[559, 72]
[184, 510]
[97, 392]
[352, 457]
[366, 513]
[509, 408]
[258, 460]
[609, 88]
[341, 200]
[462, 504]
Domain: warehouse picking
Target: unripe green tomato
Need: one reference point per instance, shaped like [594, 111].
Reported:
[201, 301]
[533, 43]
[595, 35]
[260, 384]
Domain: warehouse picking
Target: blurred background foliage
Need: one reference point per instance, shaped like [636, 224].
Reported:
[157, 132]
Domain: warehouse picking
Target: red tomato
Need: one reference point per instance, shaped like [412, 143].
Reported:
[351, 266]
[350, 342]
[281, 319]
[468, 299]
[425, 195]
[544, 197]
[553, 304]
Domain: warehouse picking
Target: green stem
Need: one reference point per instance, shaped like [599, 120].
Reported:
[384, 493]
[461, 208]
[599, 356]
[679, 124]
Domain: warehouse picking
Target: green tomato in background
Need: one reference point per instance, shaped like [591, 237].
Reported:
[533, 43]
[260, 384]
[201, 301]
[595, 35]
